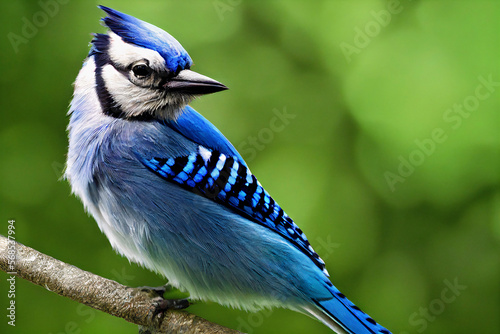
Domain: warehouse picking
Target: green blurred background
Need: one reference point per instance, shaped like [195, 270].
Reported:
[389, 158]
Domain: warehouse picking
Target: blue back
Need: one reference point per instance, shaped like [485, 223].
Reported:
[198, 129]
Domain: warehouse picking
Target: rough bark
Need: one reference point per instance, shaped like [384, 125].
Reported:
[132, 304]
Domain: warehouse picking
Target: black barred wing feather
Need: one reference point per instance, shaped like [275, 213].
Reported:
[228, 181]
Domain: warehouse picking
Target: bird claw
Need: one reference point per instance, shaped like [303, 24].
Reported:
[156, 290]
[162, 305]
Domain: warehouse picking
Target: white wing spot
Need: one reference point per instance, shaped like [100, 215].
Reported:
[205, 154]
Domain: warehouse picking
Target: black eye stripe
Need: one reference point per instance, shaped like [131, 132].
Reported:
[178, 70]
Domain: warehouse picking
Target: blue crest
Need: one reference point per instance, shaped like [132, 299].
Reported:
[140, 33]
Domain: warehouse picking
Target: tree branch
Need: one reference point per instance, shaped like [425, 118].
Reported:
[131, 304]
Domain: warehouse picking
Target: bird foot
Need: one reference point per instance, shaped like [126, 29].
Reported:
[162, 305]
[157, 290]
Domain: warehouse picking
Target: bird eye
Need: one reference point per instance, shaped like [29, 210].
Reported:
[141, 70]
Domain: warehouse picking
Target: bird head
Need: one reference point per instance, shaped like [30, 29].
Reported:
[142, 72]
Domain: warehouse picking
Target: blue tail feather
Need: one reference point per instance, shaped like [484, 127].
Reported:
[341, 315]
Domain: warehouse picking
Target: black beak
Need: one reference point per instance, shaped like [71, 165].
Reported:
[193, 83]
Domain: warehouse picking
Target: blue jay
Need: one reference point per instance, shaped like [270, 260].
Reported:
[172, 194]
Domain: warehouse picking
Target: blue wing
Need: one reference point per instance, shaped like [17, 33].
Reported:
[198, 129]
[215, 170]
[225, 179]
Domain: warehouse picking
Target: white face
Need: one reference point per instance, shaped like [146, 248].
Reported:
[135, 81]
